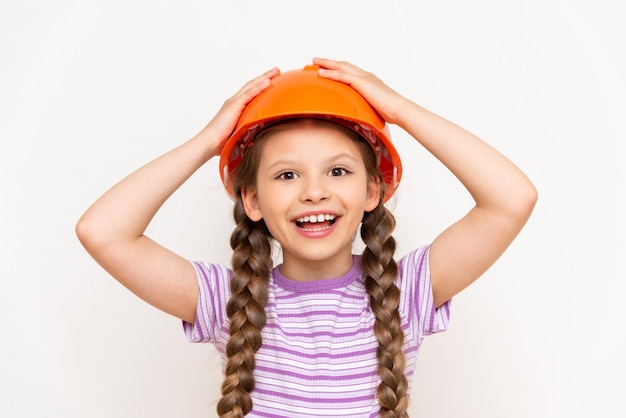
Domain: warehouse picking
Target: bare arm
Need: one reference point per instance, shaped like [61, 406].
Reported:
[504, 196]
[112, 229]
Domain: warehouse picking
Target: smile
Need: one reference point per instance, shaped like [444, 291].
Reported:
[316, 222]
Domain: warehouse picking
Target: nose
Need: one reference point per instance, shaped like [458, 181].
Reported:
[314, 190]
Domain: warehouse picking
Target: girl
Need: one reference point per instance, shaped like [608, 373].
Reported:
[326, 333]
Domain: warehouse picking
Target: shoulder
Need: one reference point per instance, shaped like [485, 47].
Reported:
[211, 270]
[213, 295]
[414, 277]
[212, 277]
[417, 294]
[415, 263]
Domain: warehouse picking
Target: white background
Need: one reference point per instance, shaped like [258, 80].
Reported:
[90, 90]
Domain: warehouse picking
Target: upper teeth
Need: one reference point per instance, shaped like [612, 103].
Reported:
[316, 218]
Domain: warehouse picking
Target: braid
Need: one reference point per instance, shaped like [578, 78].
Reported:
[251, 262]
[381, 272]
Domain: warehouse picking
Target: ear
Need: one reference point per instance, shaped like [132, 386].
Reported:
[372, 198]
[250, 201]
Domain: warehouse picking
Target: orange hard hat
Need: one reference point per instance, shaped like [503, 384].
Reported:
[303, 93]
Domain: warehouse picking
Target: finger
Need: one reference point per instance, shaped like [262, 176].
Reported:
[261, 81]
[341, 71]
[250, 90]
[325, 62]
[338, 75]
[337, 65]
[249, 93]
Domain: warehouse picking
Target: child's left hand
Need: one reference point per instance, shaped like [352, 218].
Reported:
[383, 98]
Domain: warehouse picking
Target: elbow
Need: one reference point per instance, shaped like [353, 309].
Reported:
[83, 231]
[88, 233]
[530, 197]
[516, 202]
[525, 202]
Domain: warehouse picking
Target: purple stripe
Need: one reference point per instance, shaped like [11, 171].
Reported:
[218, 297]
[321, 355]
[367, 330]
[315, 400]
[410, 349]
[309, 377]
[318, 313]
[266, 415]
[285, 295]
[419, 275]
[200, 310]
[209, 296]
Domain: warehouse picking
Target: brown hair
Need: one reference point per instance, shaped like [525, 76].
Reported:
[251, 263]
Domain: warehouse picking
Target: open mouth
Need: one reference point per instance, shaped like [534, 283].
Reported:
[316, 222]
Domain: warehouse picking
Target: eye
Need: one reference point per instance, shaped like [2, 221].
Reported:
[338, 172]
[287, 175]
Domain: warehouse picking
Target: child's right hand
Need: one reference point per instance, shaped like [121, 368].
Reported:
[223, 123]
[112, 229]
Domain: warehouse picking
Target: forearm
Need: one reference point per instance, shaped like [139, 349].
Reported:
[492, 179]
[112, 229]
[124, 211]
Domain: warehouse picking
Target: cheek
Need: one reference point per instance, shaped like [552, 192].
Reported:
[273, 200]
[357, 196]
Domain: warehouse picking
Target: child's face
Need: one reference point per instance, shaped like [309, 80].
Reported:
[312, 172]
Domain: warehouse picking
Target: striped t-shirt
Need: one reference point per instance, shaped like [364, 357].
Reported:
[318, 356]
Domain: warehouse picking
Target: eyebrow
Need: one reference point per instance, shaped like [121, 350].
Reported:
[330, 160]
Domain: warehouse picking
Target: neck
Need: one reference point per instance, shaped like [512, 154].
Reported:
[309, 270]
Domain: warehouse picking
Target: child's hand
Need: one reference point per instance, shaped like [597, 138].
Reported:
[384, 99]
[223, 123]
